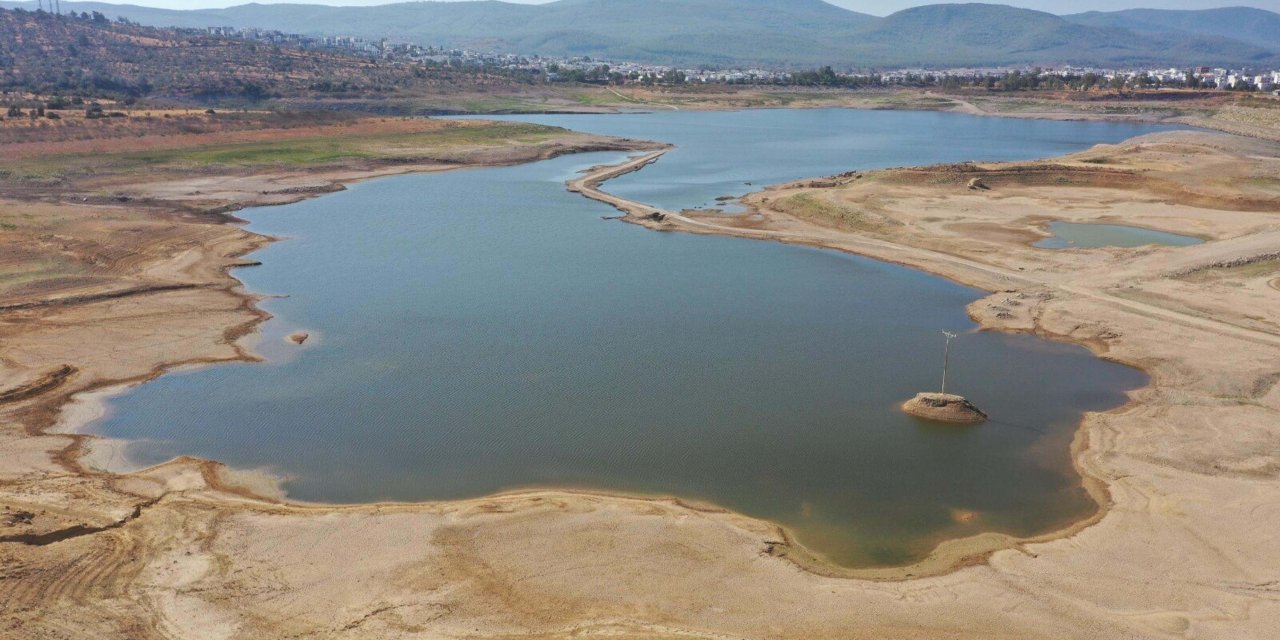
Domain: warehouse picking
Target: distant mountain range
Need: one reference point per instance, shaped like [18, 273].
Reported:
[1254, 26]
[778, 33]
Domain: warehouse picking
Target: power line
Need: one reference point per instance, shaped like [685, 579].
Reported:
[946, 359]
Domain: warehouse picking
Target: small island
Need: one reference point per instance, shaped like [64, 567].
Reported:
[944, 407]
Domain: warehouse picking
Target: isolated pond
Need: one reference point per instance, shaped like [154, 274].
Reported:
[1071, 235]
[485, 330]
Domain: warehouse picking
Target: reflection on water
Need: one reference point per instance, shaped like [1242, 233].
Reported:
[486, 330]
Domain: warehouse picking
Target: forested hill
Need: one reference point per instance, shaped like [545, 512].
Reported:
[1245, 24]
[45, 54]
[777, 33]
[774, 32]
[987, 34]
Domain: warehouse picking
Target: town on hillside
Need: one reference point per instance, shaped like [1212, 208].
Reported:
[621, 72]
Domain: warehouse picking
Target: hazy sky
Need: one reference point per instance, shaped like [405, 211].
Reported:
[877, 7]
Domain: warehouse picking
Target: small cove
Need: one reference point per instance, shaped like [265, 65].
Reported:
[486, 330]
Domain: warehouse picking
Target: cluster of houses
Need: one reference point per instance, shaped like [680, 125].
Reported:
[1228, 79]
[268, 36]
[1215, 78]
[1199, 77]
[551, 67]
[554, 68]
[700, 76]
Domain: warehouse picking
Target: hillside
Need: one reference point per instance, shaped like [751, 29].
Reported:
[60, 55]
[778, 33]
[1246, 24]
[988, 34]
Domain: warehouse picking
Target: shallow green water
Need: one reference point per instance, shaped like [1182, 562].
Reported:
[1071, 235]
[486, 330]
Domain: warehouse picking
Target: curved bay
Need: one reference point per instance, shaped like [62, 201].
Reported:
[484, 330]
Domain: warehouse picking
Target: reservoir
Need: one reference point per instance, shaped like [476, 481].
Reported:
[485, 330]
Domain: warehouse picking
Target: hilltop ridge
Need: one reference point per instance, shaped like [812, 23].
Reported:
[1246, 24]
[778, 33]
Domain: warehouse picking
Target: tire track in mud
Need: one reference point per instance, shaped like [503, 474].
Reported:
[87, 579]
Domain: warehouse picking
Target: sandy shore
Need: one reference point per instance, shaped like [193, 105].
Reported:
[1188, 470]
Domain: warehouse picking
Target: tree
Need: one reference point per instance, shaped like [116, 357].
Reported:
[252, 90]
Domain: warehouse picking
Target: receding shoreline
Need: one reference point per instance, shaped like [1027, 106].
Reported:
[96, 454]
[951, 553]
[950, 556]
[92, 454]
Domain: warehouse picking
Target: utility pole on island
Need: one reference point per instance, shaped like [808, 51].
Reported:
[944, 407]
[946, 359]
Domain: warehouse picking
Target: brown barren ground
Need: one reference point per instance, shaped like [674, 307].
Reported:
[1188, 470]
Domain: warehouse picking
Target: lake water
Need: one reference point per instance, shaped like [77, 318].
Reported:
[485, 330]
[1071, 235]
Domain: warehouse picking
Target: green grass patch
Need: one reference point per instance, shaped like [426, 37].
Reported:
[808, 205]
[28, 274]
[604, 99]
[296, 152]
[1266, 184]
[497, 105]
[1260, 269]
[302, 152]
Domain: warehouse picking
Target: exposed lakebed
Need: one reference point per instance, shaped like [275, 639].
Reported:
[484, 330]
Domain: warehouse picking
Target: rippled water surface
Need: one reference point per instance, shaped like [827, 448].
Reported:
[485, 330]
